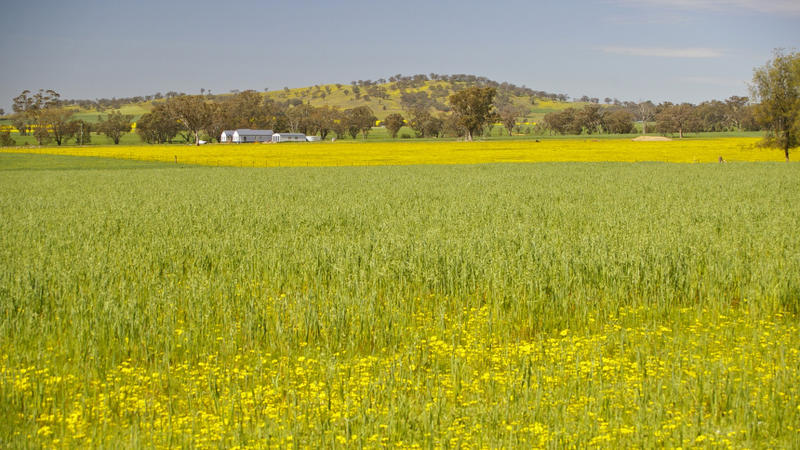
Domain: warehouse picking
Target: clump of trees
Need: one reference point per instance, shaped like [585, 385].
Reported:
[732, 114]
[777, 87]
[48, 118]
[115, 125]
[193, 115]
[590, 119]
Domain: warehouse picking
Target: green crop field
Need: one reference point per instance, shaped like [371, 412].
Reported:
[503, 305]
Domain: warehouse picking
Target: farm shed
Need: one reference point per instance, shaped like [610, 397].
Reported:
[243, 135]
[226, 136]
[288, 137]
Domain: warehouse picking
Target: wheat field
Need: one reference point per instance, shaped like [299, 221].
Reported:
[543, 305]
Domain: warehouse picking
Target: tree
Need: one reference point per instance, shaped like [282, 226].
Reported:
[564, 122]
[393, 123]
[157, 126]
[590, 118]
[221, 119]
[42, 135]
[472, 108]
[32, 104]
[618, 121]
[736, 110]
[645, 112]
[299, 118]
[57, 122]
[713, 116]
[425, 124]
[508, 114]
[340, 124]
[776, 86]
[82, 131]
[323, 119]
[193, 112]
[115, 125]
[6, 140]
[677, 119]
[419, 117]
[19, 123]
[248, 110]
[28, 107]
[360, 118]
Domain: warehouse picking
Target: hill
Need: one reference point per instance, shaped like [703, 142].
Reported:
[384, 96]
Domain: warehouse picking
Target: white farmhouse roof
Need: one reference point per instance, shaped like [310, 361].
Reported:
[249, 132]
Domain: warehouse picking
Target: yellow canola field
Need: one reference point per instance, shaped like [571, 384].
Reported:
[354, 153]
[646, 384]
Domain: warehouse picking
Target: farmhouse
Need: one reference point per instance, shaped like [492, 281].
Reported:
[227, 136]
[244, 135]
[288, 137]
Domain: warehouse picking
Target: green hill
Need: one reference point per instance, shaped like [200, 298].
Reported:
[384, 97]
[397, 97]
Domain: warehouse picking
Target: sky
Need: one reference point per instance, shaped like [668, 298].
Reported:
[660, 50]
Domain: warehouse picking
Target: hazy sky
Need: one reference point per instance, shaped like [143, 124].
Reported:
[677, 50]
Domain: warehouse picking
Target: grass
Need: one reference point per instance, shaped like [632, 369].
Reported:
[501, 305]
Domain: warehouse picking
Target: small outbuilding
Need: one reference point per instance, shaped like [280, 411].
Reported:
[226, 136]
[245, 135]
[312, 138]
[288, 137]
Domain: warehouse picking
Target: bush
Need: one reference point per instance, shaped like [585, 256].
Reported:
[6, 141]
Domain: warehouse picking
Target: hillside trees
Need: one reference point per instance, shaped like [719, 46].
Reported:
[393, 123]
[115, 125]
[473, 108]
[776, 86]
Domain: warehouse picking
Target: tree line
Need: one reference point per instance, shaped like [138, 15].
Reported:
[44, 115]
[733, 114]
[471, 111]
